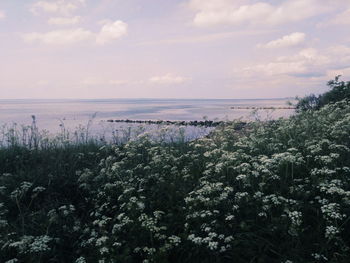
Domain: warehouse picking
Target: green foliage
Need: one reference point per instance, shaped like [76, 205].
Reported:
[38, 196]
[339, 90]
[275, 191]
[310, 102]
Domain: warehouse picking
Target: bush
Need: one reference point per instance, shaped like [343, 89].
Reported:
[339, 90]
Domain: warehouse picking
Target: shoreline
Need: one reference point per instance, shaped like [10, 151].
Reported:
[263, 108]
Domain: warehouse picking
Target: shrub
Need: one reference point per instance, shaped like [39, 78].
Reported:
[339, 90]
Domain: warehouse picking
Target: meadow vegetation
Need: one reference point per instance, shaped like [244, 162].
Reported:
[271, 191]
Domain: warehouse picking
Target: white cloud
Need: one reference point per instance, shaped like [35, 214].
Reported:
[64, 21]
[53, 7]
[2, 14]
[103, 82]
[290, 65]
[235, 12]
[63, 7]
[108, 33]
[341, 55]
[308, 62]
[168, 79]
[117, 82]
[335, 72]
[60, 37]
[340, 19]
[293, 39]
[42, 82]
[111, 31]
[194, 39]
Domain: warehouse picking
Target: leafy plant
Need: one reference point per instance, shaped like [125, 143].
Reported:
[339, 90]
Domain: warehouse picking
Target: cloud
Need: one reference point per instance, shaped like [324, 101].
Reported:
[235, 12]
[340, 54]
[60, 37]
[111, 31]
[103, 82]
[168, 79]
[335, 72]
[64, 21]
[108, 33]
[42, 82]
[2, 14]
[63, 7]
[293, 39]
[308, 62]
[194, 39]
[342, 18]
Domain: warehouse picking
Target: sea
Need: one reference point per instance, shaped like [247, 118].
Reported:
[51, 115]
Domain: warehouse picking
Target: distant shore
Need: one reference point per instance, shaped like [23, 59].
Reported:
[205, 123]
[263, 108]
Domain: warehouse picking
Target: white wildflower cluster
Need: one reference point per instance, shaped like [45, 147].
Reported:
[66, 209]
[219, 243]
[174, 240]
[324, 171]
[291, 157]
[295, 217]
[101, 241]
[37, 190]
[80, 260]
[101, 222]
[241, 177]
[22, 245]
[240, 195]
[319, 257]
[151, 222]
[334, 187]
[209, 194]
[331, 212]
[40, 244]
[272, 200]
[21, 190]
[331, 231]
[122, 221]
[30, 244]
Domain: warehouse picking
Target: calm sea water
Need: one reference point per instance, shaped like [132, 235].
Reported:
[72, 113]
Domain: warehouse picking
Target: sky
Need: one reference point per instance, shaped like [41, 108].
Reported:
[172, 48]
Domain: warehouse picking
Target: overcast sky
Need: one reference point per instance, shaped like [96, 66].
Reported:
[171, 48]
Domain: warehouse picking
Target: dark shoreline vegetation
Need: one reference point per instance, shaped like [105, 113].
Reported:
[264, 108]
[276, 191]
[206, 123]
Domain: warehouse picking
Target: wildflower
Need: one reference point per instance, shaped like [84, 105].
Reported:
[80, 260]
[331, 211]
[40, 244]
[331, 231]
[213, 245]
[175, 240]
[318, 256]
[295, 217]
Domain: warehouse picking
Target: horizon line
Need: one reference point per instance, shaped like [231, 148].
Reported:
[139, 98]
